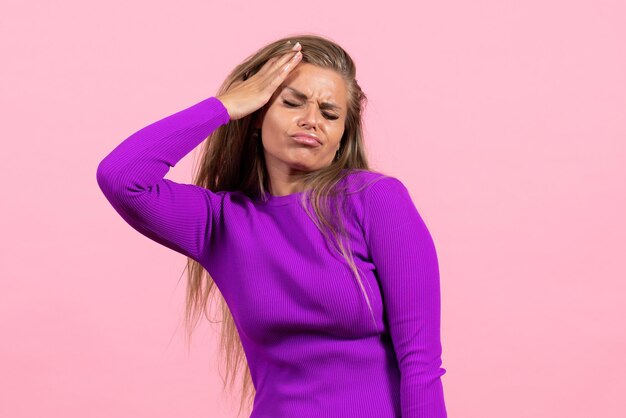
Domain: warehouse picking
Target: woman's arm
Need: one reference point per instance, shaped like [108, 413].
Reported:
[406, 263]
[178, 216]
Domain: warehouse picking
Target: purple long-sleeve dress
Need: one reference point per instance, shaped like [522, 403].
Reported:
[307, 332]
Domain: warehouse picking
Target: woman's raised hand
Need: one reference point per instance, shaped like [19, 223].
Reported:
[246, 96]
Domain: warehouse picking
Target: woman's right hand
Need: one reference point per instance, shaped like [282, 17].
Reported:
[246, 96]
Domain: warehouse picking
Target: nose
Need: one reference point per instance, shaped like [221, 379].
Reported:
[309, 116]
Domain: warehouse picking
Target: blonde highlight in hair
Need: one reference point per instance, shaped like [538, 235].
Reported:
[232, 159]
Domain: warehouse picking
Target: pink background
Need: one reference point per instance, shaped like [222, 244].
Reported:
[505, 119]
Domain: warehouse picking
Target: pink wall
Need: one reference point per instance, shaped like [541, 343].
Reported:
[505, 119]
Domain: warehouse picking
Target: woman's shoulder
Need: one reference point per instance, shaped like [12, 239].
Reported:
[361, 180]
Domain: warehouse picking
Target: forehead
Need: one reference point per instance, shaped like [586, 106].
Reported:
[312, 80]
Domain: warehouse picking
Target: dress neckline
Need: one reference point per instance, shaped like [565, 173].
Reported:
[282, 200]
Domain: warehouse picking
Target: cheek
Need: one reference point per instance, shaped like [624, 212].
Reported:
[276, 124]
[275, 139]
[337, 134]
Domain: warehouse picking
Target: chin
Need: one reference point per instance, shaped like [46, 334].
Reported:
[301, 167]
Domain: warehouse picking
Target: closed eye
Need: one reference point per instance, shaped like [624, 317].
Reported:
[326, 115]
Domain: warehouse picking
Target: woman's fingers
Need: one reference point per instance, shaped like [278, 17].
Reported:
[285, 64]
[275, 64]
[280, 60]
[277, 68]
[246, 96]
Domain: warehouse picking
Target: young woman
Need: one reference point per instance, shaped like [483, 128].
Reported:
[328, 276]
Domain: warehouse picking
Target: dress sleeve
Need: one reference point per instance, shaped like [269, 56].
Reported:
[131, 177]
[405, 259]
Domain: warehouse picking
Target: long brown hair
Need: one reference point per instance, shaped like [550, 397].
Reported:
[232, 159]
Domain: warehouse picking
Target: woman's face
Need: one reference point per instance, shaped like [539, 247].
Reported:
[303, 103]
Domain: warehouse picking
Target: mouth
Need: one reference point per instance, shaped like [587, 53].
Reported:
[306, 140]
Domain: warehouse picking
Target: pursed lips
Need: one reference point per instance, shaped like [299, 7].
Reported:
[306, 136]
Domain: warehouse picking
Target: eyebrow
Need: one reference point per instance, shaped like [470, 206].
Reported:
[323, 105]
